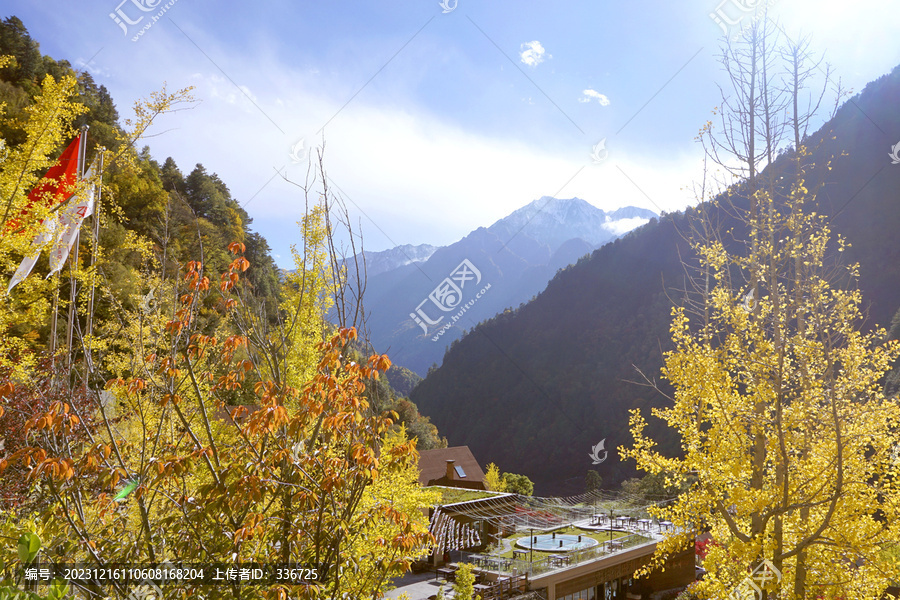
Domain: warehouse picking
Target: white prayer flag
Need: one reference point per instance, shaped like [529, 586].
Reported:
[70, 220]
[50, 227]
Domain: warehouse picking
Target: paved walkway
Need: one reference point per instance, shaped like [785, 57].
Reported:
[419, 586]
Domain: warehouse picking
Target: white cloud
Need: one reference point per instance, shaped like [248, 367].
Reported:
[623, 226]
[533, 53]
[589, 93]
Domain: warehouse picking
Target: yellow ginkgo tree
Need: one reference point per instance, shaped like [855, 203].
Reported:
[779, 407]
[787, 439]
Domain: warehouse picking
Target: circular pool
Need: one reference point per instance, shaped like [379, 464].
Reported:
[556, 542]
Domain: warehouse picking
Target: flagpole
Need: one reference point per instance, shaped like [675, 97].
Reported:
[72, 296]
[53, 326]
[90, 314]
[73, 264]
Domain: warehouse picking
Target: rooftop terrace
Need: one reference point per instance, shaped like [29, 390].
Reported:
[513, 553]
[520, 540]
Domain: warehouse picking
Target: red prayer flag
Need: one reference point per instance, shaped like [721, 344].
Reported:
[60, 180]
[58, 184]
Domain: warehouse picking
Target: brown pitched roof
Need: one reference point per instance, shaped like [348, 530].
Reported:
[433, 468]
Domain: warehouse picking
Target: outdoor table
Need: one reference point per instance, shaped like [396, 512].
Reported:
[667, 524]
[481, 588]
[520, 554]
[559, 559]
[446, 573]
[644, 524]
[613, 545]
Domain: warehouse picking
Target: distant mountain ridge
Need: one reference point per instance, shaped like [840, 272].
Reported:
[398, 256]
[414, 294]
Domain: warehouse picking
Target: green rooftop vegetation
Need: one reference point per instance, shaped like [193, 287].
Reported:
[451, 495]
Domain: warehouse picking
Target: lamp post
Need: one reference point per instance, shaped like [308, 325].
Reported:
[610, 526]
[531, 543]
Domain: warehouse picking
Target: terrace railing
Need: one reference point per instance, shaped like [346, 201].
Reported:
[547, 563]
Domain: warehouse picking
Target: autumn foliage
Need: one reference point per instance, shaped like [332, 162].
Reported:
[300, 477]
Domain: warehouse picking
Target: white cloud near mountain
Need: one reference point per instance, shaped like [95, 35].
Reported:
[622, 226]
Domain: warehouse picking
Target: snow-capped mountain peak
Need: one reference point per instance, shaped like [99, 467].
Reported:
[398, 256]
[554, 221]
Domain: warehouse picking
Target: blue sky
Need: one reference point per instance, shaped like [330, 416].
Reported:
[438, 122]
